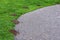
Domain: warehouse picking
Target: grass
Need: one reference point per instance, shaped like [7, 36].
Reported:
[8, 7]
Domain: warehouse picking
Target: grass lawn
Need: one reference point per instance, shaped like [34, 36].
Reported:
[18, 7]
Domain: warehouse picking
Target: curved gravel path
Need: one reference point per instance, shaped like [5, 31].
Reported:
[41, 24]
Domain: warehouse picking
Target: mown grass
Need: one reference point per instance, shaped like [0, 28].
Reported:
[18, 7]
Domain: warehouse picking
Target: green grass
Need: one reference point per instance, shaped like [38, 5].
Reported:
[8, 7]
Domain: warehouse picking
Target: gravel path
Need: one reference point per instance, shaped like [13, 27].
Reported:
[41, 24]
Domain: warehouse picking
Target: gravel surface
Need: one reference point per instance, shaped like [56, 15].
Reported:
[41, 24]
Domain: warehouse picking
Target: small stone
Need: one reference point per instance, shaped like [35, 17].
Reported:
[14, 32]
[15, 21]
